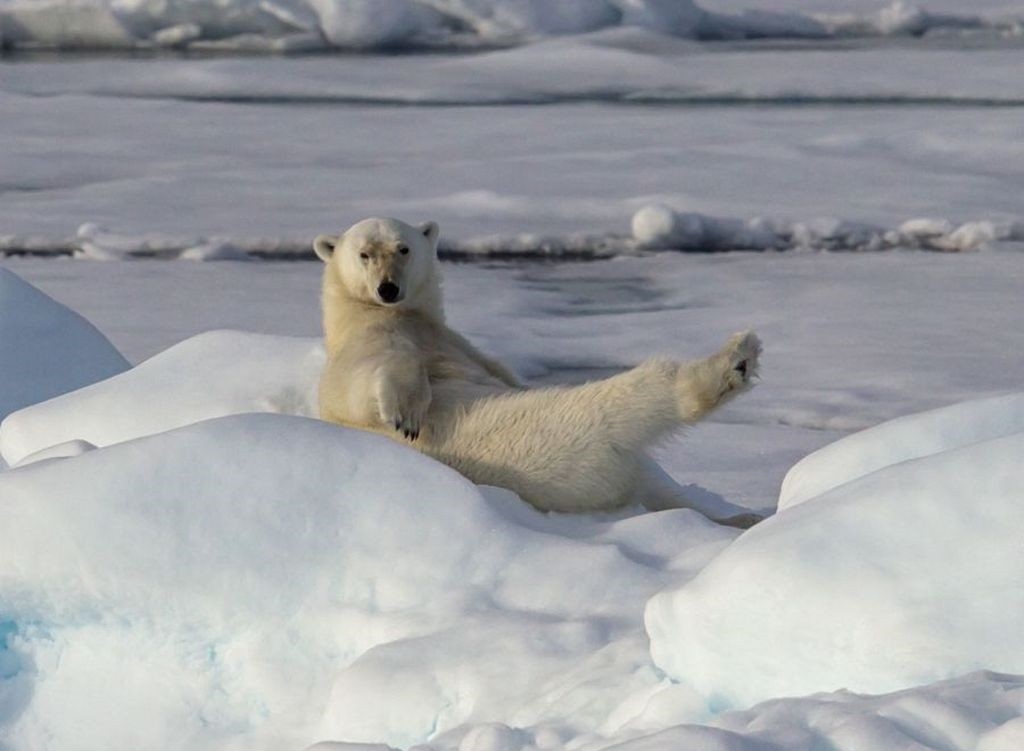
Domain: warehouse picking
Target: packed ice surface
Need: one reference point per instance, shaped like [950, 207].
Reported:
[303, 25]
[77, 355]
[242, 601]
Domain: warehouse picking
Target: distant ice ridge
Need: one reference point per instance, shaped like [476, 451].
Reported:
[660, 227]
[654, 227]
[302, 25]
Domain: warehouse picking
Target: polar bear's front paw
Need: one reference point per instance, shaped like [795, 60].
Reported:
[406, 416]
[407, 422]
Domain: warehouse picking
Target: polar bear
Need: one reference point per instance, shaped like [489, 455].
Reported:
[394, 367]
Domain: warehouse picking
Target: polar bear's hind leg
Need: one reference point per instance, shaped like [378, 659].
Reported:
[581, 448]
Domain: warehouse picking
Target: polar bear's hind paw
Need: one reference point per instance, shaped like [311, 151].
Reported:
[743, 351]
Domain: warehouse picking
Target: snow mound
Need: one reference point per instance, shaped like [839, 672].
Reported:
[210, 375]
[659, 227]
[45, 348]
[289, 25]
[903, 576]
[899, 440]
[222, 579]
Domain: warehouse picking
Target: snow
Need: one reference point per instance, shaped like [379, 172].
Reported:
[74, 447]
[213, 374]
[660, 227]
[915, 332]
[75, 353]
[860, 588]
[256, 613]
[260, 587]
[188, 561]
[278, 608]
[901, 440]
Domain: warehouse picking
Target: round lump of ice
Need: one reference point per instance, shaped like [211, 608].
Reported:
[658, 226]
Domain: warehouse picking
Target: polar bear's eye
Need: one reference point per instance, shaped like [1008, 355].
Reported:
[403, 249]
[365, 256]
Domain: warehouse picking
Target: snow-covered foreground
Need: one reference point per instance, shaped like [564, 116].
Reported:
[270, 581]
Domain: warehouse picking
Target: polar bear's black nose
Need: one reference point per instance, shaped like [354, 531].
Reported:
[388, 291]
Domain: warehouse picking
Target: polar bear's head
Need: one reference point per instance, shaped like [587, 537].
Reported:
[384, 261]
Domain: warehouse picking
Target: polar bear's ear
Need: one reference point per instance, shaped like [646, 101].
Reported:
[430, 231]
[324, 246]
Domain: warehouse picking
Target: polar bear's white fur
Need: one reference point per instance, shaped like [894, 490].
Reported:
[394, 367]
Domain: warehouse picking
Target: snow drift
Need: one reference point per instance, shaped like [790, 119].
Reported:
[226, 575]
[900, 440]
[908, 574]
[211, 375]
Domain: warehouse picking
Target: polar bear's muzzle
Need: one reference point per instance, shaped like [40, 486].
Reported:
[389, 292]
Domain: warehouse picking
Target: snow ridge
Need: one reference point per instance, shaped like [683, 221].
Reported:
[660, 227]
